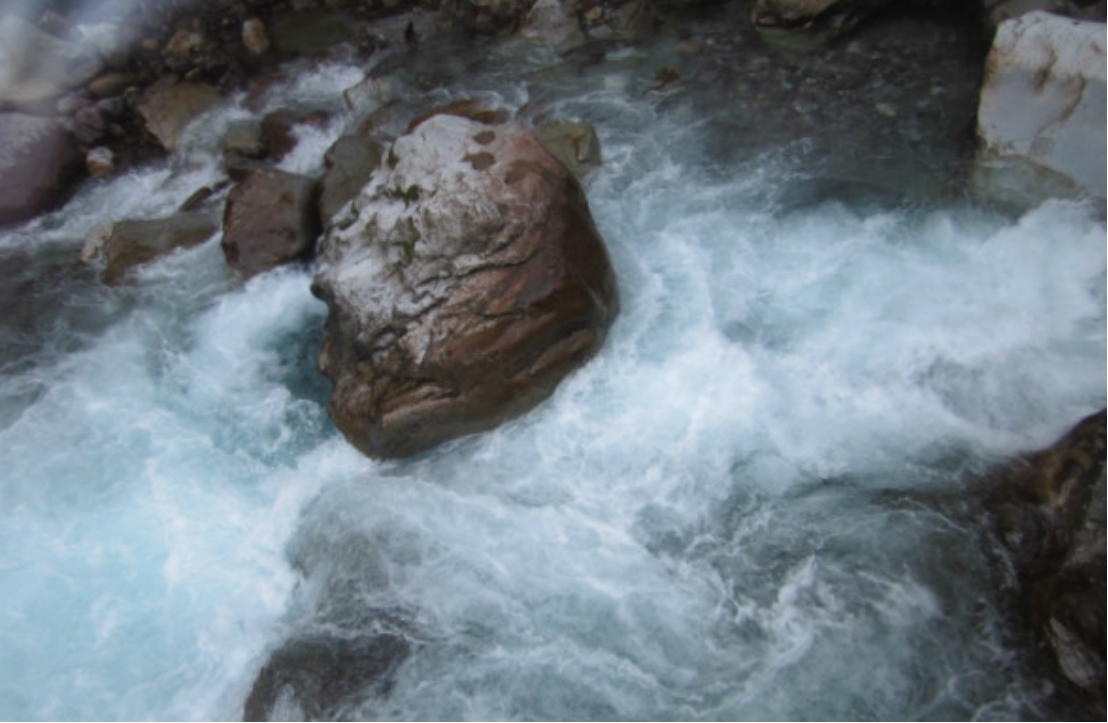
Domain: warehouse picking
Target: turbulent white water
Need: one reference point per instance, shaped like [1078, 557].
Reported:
[750, 505]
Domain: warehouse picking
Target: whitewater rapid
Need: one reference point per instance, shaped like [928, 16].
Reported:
[751, 504]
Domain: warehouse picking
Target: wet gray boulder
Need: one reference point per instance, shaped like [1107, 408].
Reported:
[270, 219]
[126, 245]
[39, 160]
[1041, 121]
[350, 162]
[1050, 512]
[466, 282]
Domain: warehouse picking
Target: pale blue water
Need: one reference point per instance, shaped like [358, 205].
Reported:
[750, 505]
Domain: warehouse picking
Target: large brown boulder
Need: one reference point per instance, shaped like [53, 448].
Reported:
[270, 219]
[1050, 511]
[466, 282]
[38, 161]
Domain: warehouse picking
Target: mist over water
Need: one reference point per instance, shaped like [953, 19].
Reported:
[751, 504]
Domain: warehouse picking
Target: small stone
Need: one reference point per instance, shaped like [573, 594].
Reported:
[100, 161]
[885, 109]
[95, 243]
[183, 44]
[254, 36]
[110, 84]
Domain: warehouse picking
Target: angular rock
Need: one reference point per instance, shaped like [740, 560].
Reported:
[551, 23]
[129, 244]
[1050, 511]
[471, 282]
[270, 219]
[574, 143]
[167, 109]
[350, 163]
[310, 678]
[38, 162]
[1041, 119]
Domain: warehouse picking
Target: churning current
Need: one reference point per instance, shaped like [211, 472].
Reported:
[752, 504]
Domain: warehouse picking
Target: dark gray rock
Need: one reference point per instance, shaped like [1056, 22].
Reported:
[350, 162]
[311, 678]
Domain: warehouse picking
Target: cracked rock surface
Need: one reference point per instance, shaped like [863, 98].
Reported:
[465, 281]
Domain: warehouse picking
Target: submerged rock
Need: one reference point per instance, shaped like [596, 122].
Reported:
[1041, 120]
[270, 219]
[1050, 510]
[311, 678]
[38, 161]
[470, 282]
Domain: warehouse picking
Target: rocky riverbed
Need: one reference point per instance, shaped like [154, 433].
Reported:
[436, 168]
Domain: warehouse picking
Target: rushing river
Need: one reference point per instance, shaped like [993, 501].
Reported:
[752, 504]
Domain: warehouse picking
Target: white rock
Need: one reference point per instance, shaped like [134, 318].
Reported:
[1043, 107]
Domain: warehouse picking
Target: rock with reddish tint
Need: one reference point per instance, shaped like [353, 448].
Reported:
[39, 160]
[167, 109]
[270, 219]
[469, 284]
[129, 244]
[1050, 511]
